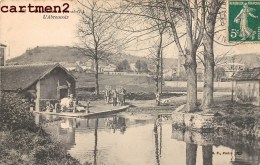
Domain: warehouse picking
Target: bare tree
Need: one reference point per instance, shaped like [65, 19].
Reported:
[193, 16]
[151, 13]
[97, 38]
[213, 7]
[161, 26]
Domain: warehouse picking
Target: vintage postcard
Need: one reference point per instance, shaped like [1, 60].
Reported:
[130, 82]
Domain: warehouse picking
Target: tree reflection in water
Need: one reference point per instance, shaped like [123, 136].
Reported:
[191, 153]
[207, 152]
[96, 139]
[158, 145]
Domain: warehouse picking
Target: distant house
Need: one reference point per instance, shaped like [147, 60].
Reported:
[109, 68]
[231, 68]
[2, 54]
[89, 65]
[69, 66]
[248, 86]
[38, 83]
[72, 66]
[168, 73]
[133, 68]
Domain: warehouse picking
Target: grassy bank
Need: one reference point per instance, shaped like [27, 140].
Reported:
[85, 95]
[235, 118]
[134, 83]
[238, 119]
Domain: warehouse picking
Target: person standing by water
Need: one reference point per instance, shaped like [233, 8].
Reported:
[124, 95]
[107, 96]
[114, 97]
[87, 108]
[157, 98]
[242, 18]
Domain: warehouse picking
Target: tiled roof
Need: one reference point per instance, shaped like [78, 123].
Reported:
[22, 76]
[248, 74]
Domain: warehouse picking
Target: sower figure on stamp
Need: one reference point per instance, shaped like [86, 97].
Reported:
[242, 18]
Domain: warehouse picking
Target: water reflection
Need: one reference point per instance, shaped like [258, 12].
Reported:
[116, 140]
[96, 141]
[207, 152]
[158, 141]
[218, 148]
[191, 154]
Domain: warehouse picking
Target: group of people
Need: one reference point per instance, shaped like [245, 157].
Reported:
[67, 103]
[116, 96]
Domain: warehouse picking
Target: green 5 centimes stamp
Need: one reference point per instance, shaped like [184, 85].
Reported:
[244, 21]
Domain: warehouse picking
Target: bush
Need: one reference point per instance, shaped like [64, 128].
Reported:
[24, 147]
[22, 141]
[15, 113]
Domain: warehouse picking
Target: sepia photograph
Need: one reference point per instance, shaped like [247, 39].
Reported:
[129, 82]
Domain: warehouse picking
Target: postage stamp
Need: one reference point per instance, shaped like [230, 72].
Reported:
[244, 21]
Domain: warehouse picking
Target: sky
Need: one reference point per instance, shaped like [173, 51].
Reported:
[21, 31]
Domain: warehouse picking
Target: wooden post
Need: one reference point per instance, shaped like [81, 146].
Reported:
[37, 100]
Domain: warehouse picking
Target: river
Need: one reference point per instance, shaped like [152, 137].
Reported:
[140, 140]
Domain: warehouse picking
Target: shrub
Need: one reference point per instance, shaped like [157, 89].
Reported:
[15, 113]
[24, 147]
[22, 141]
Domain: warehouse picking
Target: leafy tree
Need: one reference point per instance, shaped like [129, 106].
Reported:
[219, 73]
[123, 66]
[141, 66]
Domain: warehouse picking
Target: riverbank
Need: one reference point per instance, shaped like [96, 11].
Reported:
[168, 104]
[231, 117]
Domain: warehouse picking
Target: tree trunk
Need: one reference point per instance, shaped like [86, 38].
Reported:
[209, 62]
[191, 70]
[161, 68]
[157, 75]
[158, 63]
[208, 88]
[157, 80]
[96, 76]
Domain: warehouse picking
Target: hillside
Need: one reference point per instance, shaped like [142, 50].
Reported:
[250, 60]
[69, 54]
